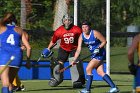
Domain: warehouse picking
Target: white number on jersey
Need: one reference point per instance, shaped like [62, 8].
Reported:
[69, 40]
[90, 47]
[10, 39]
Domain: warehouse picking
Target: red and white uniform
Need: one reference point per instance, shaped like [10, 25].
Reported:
[69, 38]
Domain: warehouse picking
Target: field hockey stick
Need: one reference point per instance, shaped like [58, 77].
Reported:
[67, 67]
[50, 49]
[9, 61]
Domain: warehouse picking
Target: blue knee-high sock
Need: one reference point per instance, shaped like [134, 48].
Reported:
[5, 90]
[89, 82]
[138, 77]
[109, 81]
[134, 83]
[10, 91]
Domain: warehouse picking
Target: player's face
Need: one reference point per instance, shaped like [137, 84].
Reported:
[85, 28]
[67, 23]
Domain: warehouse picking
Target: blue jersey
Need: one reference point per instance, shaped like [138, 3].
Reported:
[92, 44]
[10, 45]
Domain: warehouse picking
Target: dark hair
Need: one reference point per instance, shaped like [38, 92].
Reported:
[85, 22]
[8, 19]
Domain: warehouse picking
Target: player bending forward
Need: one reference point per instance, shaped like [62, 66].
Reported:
[68, 34]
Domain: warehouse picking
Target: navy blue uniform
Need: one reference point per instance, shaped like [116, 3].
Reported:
[94, 43]
[10, 45]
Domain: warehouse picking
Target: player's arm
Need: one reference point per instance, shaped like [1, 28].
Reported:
[132, 67]
[99, 36]
[47, 51]
[50, 44]
[25, 41]
[132, 49]
[27, 45]
[27, 37]
[77, 53]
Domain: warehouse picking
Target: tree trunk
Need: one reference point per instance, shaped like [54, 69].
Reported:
[23, 15]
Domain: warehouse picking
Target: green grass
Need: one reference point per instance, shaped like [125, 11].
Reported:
[118, 63]
[124, 83]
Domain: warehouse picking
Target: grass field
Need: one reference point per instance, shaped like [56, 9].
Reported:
[124, 83]
[118, 64]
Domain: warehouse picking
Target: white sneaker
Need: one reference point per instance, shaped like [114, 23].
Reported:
[114, 90]
[84, 91]
[134, 91]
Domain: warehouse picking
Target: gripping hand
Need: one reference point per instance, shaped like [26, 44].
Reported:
[96, 51]
[46, 53]
[132, 69]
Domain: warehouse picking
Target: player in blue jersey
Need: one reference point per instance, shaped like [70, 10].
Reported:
[95, 42]
[10, 38]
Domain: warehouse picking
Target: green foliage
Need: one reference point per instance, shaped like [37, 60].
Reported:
[123, 13]
[10, 6]
[91, 10]
[130, 7]
[41, 16]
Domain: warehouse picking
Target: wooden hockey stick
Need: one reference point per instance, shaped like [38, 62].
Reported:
[67, 67]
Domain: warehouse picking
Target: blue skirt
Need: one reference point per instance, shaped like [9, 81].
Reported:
[6, 53]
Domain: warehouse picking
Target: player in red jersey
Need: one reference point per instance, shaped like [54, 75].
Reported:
[68, 34]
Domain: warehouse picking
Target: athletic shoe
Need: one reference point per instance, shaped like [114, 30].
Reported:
[77, 84]
[134, 91]
[21, 88]
[114, 90]
[84, 91]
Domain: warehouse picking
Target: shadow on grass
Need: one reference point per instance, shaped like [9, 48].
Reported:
[54, 88]
[118, 54]
[65, 88]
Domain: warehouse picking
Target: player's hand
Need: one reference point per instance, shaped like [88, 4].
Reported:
[73, 63]
[28, 64]
[96, 51]
[46, 53]
[132, 69]
[23, 47]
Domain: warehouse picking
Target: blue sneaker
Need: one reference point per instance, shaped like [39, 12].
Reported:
[84, 91]
[114, 90]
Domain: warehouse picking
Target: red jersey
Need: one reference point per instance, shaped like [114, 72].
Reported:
[69, 38]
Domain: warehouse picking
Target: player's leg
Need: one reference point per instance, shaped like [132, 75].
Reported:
[107, 79]
[77, 73]
[17, 81]
[91, 65]
[5, 80]
[57, 78]
[134, 85]
[138, 80]
[4, 58]
[12, 74]
[17, 85]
